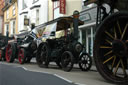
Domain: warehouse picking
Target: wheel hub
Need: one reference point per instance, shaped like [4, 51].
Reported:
[119, 48]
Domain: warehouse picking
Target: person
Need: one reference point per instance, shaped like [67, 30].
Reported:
[32, 26]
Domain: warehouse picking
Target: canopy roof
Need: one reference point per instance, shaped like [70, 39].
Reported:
[62, 23]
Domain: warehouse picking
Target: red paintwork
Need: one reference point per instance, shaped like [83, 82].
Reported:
[8, 53]
[21, 56]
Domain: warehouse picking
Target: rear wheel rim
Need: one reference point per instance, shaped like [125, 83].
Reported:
[21, 56]
[85, 62]
[8, 53]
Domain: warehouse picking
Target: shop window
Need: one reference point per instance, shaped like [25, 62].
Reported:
[88, 35]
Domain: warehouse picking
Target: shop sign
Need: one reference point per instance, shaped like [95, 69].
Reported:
[62, 6]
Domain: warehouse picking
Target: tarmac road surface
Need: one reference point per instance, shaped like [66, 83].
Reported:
[11, 75]
[37, 75]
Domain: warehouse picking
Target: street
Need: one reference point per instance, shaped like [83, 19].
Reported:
[31, 74]
[11, 75]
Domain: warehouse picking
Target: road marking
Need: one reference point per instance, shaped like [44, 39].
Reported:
[25, 68]
[53, 75]
[63, 78]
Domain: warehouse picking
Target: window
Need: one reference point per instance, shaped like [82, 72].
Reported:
[37, 17]
[25, 27]
[14, 23]
[35, 1]
[13, 27]
[24, 5]
[7, 14]
[56, 9]
[14, 10]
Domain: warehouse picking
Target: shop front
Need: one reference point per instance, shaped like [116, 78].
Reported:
[87, 36]
[88, 30]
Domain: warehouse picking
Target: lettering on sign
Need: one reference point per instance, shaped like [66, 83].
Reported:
[62, 6]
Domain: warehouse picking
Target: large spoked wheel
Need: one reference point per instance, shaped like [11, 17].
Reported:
[67, 61]
[10, 52]
[21, 55]
[85, 62]
[111, 48]
[42, 57]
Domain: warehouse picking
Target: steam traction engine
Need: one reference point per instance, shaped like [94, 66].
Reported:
[65, 51]
[24, 46]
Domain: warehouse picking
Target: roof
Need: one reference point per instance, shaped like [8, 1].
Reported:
[97, 1]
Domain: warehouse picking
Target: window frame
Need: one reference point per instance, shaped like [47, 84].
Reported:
[34, 1]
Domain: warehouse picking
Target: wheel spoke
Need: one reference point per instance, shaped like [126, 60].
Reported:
[108, 41]
[113, 62]
[108, 53]
[125, 73]
[105, 47]
[108, 60]
[119, 28]
[109, 35]
[124, 31]
[117, 66]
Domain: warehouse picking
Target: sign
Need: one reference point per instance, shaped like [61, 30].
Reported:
[62, 6]
[26, 22]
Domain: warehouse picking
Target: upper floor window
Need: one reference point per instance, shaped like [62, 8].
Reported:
[13, 28]
[24, 5]
[56, 9]
[35, 1]
[7, 14]
[56, 4]
[37, 17]
[14, 9]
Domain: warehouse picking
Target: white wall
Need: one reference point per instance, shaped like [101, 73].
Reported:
[43, 12]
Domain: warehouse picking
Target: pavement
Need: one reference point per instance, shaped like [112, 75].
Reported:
[31, 74]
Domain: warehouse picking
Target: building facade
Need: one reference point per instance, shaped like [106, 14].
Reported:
[58, 8]
[11, 17]
[1, 16]
[88, 30]
[34, 10]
